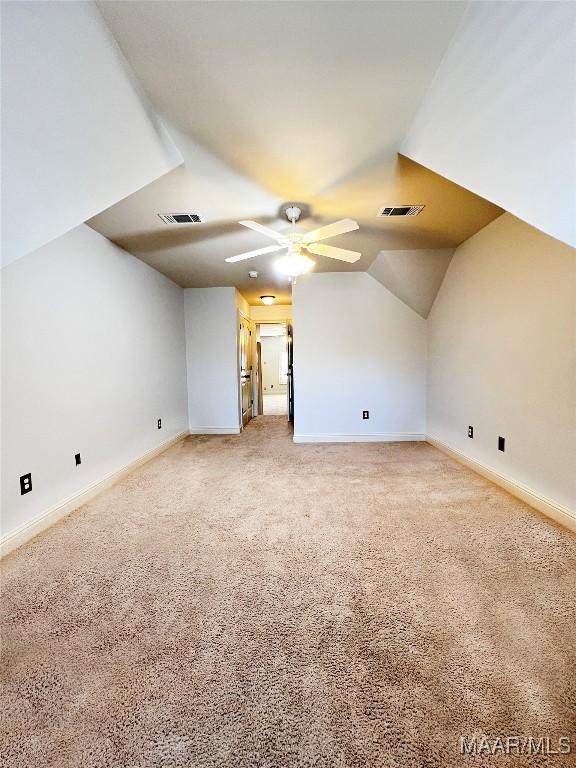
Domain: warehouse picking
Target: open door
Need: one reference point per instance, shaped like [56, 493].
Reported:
[245, 349]
[290, 372]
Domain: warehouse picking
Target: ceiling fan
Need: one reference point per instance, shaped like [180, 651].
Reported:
[295, 262]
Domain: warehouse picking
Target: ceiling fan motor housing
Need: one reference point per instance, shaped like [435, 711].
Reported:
[294, 211]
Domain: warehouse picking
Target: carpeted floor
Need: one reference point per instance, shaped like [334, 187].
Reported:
[275, 405]
[247, 602]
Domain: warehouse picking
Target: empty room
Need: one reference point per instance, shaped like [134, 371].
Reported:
[288, 384]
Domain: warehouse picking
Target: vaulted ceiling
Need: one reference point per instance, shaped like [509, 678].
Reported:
[279, 101]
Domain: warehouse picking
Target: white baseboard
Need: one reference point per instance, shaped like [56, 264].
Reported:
[548, 507]
[367, 437]
[44, 520]
[214, 431]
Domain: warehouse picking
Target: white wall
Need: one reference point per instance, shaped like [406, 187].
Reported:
[77, 136]
[500, 115]
[272, 348]
[356, 347]
[92, 356]
[212, 360]
[502, 357]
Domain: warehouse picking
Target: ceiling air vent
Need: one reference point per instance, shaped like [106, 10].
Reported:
[181, 218]
[401, 210]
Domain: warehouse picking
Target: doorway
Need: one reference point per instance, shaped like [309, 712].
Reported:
[273, 369]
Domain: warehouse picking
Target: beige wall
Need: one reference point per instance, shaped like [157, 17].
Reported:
[264, 314]
[242, 304]
[502, 357]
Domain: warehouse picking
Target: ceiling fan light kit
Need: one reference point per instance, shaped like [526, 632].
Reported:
[295, 264]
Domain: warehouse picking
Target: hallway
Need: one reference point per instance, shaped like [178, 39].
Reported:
[245, 601]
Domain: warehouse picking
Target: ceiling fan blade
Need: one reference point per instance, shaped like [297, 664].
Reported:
[258, 252]
[330, 230]
[262, 229]
[334, 253]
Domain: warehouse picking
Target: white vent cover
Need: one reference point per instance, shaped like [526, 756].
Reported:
[181, 218]
[401, 210]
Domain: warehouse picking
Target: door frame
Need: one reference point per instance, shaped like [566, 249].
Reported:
[239, 317]
[287, 322]
[258, 382]
[290, 351]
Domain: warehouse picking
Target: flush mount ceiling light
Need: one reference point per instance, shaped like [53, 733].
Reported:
[267, 299]
[295, 263]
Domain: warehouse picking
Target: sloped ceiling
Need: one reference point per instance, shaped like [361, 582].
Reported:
[77, 134]
[271, 102]
[500, 116]
[414, 277]
[296, 96]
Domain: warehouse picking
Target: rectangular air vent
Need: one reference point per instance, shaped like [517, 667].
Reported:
[401, 210]
[181, 218]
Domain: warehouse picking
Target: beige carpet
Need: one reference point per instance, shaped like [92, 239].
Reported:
[247, 602]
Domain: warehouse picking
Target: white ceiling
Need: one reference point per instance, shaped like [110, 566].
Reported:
[275, 101]
[296, 95]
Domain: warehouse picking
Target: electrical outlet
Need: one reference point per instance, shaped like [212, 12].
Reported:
[77, 459]
[501, 444]
[25, 484]
[159, 423]
[470, 431]
[365, 414]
